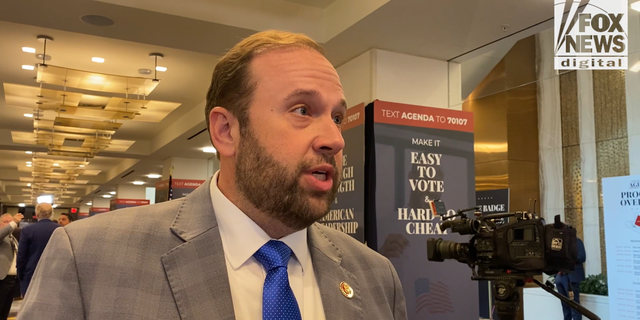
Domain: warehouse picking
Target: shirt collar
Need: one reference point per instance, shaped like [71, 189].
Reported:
[241, 237]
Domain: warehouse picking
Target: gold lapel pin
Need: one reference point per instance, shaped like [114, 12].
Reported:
[346, 290]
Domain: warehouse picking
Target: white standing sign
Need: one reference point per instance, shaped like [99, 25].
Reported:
[621, 196]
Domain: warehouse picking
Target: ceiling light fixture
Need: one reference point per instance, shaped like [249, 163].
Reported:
[97, 59]
[28, 184]
[138, 183]
[636, 6]
[54, 206]
[161, 69]
[89, 203]
[27, 67]
[29, 165]
[82, 166]
[28, 115]
[21, 205]
[28, 152]
[154, 176]
[106, 196]
[28, 49]
[156, 55]
[96, 20]
[56, 164]
[44, 39]
[209, 150]
[112, 192]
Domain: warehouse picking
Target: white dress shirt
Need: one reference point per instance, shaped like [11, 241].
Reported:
[241, 238]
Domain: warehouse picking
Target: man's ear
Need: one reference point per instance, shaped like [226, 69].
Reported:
[223, 129]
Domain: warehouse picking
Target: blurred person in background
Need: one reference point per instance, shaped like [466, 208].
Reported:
[9, 287]
[65, 219]
[33, 240]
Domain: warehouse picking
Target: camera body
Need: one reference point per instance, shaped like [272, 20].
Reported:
[520, 249]
[508, 254]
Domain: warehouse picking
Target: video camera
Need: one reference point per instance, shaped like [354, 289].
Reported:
[509, 254]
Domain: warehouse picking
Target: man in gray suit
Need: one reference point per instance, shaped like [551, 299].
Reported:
[245, 244]
[9, 288]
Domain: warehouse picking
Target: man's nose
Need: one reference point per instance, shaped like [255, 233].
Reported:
[329, 138]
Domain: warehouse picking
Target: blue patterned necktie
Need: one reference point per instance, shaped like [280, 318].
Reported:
[278, 301]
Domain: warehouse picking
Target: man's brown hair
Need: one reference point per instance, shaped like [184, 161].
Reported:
[231, 84]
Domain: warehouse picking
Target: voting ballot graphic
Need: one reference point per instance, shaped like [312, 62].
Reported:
[416, 154]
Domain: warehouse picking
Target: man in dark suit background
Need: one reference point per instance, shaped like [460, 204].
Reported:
[571, 283]
[8, 273]
[33, 240]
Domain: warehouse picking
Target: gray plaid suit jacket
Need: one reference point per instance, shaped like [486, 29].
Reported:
[166, 261]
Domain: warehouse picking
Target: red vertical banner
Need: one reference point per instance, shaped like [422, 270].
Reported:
[162, 191]
[417, 154]
[347, 211]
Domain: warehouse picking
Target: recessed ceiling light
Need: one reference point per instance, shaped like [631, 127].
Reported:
[154, 176]
[20, 204]
[56, 164]
[138, 183]
[28, 184]
[28, 115]
[89, 203]
[161, 69]
[28, 152]
[82, 166]
[29, 165]
[112, 192]
[636, 6]
[96, 20]
[29, 162]
[106, 196]
[28, 49]
[54, 206]
[97, 59]
[28, 67]
[209, 150]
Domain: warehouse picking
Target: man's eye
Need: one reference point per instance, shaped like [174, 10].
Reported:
[338, 119]
[303, 111]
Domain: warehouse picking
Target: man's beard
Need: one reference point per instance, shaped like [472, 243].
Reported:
[275, 189]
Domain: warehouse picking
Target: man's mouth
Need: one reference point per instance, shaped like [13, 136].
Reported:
[320, 175]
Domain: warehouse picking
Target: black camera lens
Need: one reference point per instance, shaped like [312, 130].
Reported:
[439, 250]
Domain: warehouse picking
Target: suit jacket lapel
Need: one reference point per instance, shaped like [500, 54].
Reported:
[196, 269]
[330, 274]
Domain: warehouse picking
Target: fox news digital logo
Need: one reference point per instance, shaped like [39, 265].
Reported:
[591, 36]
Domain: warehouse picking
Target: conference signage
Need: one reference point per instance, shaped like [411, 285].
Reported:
[93, 211]
[414, 155]
[490, 201]
[347, 211]
[621, 197]
[182, 187]
[162, 190]
[127, 203]
[591, 34]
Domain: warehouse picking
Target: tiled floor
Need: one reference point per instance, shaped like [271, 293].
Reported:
[15, 306]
